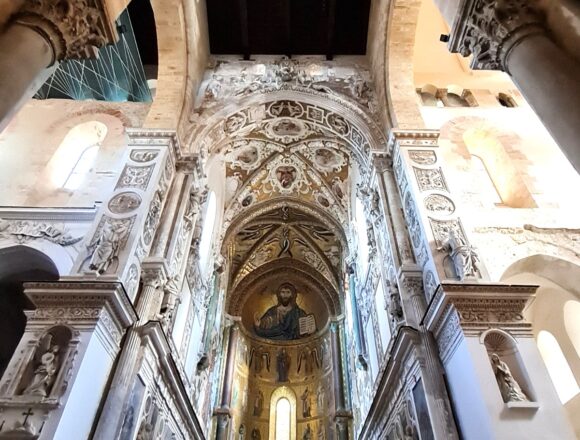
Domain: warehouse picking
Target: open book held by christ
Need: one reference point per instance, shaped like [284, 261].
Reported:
[307, 325]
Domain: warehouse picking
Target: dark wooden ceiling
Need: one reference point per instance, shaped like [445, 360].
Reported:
[288, 27]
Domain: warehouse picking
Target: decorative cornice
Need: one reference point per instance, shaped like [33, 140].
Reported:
[49, 214]
[75, 29]
[70, 294]
[490, 29]
[469, 309]
[412, 138]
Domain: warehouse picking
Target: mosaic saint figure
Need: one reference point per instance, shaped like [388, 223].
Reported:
[282, 320]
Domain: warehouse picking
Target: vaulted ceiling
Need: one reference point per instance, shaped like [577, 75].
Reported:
[288, 27]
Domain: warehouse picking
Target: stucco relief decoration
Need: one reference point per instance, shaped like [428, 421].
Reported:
[109, 239]
[152, 219]
[237, 79]
[124, 202]
[423, 157]
[143, 156]
[430, 284]
[234, 123]
[286, 176]
[338, 124]
[430, 179]
[23, 231]
[74, 28]
[439, 204]
[287, 130]
[135, 177]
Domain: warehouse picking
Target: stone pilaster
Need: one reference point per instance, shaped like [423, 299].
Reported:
[223, 412]
[472, 324]
[125, 227]
[53, 385]
[438, 236]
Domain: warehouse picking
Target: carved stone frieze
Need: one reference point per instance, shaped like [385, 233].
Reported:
[74, 28]
[439, 204]
[430, 179]
[24, 231]
[423, 157]
[142, 156]
[135, 177]
[469, 309]
[489, 29]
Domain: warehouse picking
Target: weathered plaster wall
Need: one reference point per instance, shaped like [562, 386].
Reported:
[33, 136]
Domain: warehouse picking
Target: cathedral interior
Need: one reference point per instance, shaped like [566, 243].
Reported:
[289, 219]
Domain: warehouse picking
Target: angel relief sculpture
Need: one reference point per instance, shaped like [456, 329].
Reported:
[45, 365]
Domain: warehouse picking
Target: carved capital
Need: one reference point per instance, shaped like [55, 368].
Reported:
[154, 273]
[74, 28]
[489, 29]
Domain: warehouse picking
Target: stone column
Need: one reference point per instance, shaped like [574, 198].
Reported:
[471, 324]
[74, 333]
[223, 411]
[359, 339]
[511, 36]
[342, 413]
[40, 35]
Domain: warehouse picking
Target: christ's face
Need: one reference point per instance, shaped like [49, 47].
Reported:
[285, 296]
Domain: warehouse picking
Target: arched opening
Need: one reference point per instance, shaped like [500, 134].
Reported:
[482, 142]
[558, 368]
[18, 264]
[283, 420]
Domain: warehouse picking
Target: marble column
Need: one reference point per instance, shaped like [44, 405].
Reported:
[511, 36]
[223, 411]
[40, 35]
[356, 318]
[342, 413]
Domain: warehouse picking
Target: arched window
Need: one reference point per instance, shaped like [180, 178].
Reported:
[484, 182]
[361, 232]
[205, 244]
[483, 143]
[572, 323]
[76, 154]
[283, 415]
[558, 368]
[283, 419]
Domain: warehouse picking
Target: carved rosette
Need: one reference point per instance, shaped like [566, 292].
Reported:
[467, 310]
[489, 29]
[74, 28]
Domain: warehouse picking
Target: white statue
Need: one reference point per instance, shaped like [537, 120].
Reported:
[106, 247]
[509, 388]
[465, 259]
[45, 368]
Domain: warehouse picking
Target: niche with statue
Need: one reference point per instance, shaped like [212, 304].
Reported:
[509, 370]
[43, 375]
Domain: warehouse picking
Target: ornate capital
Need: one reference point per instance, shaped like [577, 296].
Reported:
[74, 28]
[154, 273]
[489, 29]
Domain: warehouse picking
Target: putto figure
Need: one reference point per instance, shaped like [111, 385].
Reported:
[282, 320]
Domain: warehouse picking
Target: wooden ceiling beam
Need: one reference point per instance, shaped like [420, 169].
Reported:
[330, 25]
[243, 8]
